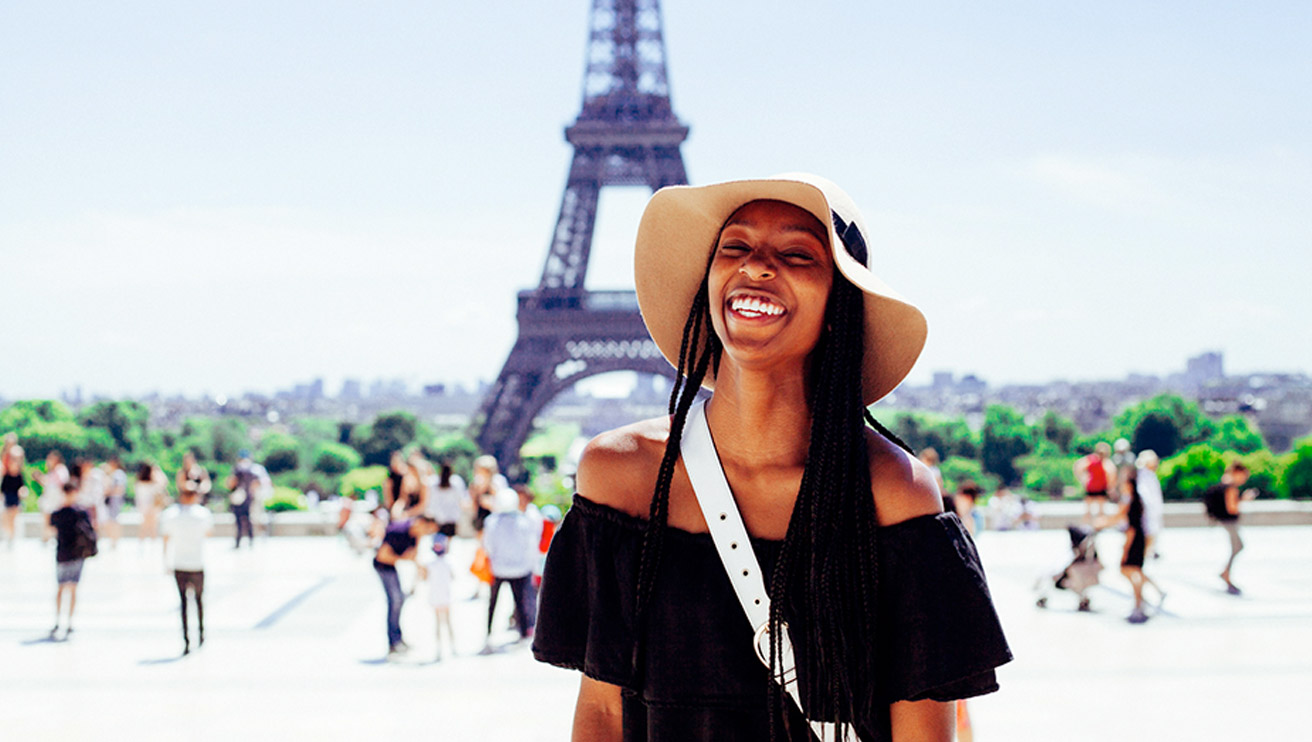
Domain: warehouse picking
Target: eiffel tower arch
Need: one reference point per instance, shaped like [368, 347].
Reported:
[625, 135]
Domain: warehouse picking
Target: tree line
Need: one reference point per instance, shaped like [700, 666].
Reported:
[1039, 455]
[331, 456]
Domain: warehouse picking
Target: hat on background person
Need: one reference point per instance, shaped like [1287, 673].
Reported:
[679, 229]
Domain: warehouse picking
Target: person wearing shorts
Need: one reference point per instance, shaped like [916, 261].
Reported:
[14, 487]
[67, 522]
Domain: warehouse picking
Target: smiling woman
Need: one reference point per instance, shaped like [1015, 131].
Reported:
[763, 565]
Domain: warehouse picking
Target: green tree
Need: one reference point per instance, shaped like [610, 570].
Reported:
[358, 481]
[1005, 436]
[124, 421]
[390, 431]
[1058, 430]
[23, 413]
[1048, 470]
[957, 471]
[949, 436]
[334, 458]
[39, 437]
[1264, 471]
[1188, 421]
[1187, 474]
[280, 453]
[1296, 479]
[1234, 433]
[1156, 432]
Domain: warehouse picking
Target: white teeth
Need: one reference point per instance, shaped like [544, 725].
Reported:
[753, 306]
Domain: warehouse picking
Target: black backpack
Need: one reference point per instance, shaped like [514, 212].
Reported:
[1214, 501]
[84, 537]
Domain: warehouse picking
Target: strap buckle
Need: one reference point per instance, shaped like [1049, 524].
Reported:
[787, 672]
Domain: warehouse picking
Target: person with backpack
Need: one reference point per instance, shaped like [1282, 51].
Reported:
[75, 541]
[1222, 503]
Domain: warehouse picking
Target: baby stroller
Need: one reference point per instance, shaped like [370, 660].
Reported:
[1082, 571]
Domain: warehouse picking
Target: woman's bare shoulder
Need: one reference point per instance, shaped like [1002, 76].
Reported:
[618, 468]
[903, 487]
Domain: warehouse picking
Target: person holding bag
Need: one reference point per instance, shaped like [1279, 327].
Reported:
[763, 565]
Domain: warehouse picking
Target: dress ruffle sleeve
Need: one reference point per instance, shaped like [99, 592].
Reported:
[585, 618]
[940, 637]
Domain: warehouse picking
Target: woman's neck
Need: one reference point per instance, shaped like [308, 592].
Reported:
[759, 419]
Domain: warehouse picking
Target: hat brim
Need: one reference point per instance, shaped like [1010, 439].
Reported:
[678, 230]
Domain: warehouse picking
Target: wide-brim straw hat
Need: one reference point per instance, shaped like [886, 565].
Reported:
[682, 224]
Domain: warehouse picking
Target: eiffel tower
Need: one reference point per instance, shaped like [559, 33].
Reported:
[626, 134]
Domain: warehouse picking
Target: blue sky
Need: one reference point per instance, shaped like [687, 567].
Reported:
[230, 196]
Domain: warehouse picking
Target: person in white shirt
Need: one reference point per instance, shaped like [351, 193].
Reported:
[444, 502]
[511, 539]
[185, 527]
[1150, 491]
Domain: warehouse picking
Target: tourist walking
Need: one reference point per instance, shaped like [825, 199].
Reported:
[185, 526]
[191, 475]
[14, 487]
[243, 485]
[392, 486]
[150, 494]
[438, 584]
[1222, 502]
[116, 496]
[448, 494]
[52, 490]
[413, 491]
[760, 291]
[1131, 514]
[964, 504]
[1150, 491]
[511, 537]
[400, 543]
[1096, 474]
[91, 490]
[487, 481]
[75, 542]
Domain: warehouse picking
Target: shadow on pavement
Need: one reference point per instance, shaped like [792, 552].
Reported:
[162, 660]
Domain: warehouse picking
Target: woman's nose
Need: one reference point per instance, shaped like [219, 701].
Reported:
[757, 268]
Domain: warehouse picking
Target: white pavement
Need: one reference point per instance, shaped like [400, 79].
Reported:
[295, 649]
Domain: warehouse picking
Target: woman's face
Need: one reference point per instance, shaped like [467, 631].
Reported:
[769, 282]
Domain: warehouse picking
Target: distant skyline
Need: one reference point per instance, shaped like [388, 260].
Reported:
[241, 196]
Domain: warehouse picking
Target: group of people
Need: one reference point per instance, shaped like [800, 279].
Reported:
[1114, 475]
[422, 509]
[81, 505]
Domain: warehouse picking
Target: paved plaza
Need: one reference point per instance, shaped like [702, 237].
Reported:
[295, 650]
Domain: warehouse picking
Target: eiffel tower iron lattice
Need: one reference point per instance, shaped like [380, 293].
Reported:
[626, 134]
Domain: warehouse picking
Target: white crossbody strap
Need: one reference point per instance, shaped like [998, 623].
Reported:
[735, 548]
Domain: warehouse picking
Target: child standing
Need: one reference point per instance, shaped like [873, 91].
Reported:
[74, 542]
[439, 593]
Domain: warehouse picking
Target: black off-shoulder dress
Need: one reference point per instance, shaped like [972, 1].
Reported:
[939, 637]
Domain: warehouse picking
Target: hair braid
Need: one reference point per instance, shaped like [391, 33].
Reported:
[698, 349]
[826, 578]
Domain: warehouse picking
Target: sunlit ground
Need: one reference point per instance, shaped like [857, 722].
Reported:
[295, 649]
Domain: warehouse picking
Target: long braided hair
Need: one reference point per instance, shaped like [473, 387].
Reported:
[825, 581]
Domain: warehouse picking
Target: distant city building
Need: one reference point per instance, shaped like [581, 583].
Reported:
[1204, 367]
